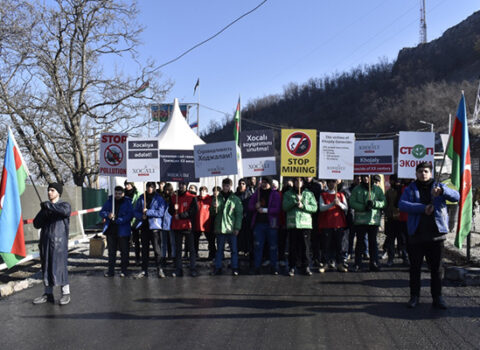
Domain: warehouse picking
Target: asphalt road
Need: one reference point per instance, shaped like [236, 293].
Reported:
[330, 311]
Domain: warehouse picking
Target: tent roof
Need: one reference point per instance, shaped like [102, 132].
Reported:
[176, 133]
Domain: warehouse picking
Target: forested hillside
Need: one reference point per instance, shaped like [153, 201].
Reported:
[424, 83]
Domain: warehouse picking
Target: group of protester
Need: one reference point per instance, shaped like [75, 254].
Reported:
[319, 220]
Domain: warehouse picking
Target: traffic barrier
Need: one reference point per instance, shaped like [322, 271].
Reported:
[71, 243]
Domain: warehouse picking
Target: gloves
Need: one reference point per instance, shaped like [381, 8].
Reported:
[43, 205]
[369, 205]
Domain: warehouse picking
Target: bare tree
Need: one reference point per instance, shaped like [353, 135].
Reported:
[59, 86]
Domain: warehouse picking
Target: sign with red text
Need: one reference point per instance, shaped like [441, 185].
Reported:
[113, 154]
[413, 148]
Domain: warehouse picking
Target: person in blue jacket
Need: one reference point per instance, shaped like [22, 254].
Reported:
[150, 211]
[117, 229]
[425, 202]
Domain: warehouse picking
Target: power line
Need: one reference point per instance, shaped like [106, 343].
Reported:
[208, 39]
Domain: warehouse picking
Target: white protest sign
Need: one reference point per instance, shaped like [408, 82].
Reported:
[336, 152]
[373, 157]
[413, 148]
[216, 159]
[113, 148]
[143, 162]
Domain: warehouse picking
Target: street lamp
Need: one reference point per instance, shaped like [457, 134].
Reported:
[427, 123]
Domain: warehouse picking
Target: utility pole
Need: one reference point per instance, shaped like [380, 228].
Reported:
[423, 23]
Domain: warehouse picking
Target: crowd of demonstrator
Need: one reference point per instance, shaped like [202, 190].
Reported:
[306, 225]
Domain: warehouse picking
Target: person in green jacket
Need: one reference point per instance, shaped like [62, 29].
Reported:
[299, 204]
[368, 201]
[228, 211]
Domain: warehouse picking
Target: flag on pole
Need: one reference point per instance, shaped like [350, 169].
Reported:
[143, 87]
[196, 86]
[461, 177]
[236, 122]
[12, 185]
[194, 124]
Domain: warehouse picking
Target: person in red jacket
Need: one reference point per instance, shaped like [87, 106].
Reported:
[183, 208]
[203, 222]
[332, 222]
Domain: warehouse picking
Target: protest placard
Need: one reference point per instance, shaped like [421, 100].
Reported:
[414, 147]
[373, 157]
[113, 154]
[336, 154]
[177, 165]
[298, 153]
[142, 160]
[216, 159]
[258, 153]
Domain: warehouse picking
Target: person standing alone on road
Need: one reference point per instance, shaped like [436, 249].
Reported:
[54, 221]
[425, 202]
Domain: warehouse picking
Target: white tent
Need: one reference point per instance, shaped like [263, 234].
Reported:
[176, 133]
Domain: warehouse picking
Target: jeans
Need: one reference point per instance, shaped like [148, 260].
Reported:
[115, 243]
[188, 234]
[299, 251]
[370, 231]
[232, 243]
[263, 232]
[147, 237]
[166, 236]
[335, 245]
[65, 289]
[433, 252]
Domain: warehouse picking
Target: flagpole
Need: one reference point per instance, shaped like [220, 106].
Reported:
[445, 151]
[35, 187]
[437, 176]
[198, 111]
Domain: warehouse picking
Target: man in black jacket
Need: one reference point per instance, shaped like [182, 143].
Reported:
[53, 220]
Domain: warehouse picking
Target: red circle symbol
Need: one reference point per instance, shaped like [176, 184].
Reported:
[113, 155]
[299, 144]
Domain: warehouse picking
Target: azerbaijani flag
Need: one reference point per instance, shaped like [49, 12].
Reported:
[461, 177]
[236, 122]
[14, 174]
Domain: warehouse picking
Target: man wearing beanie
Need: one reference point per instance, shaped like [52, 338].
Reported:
[53, 220]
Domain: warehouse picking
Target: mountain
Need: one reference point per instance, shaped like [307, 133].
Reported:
[423, 83]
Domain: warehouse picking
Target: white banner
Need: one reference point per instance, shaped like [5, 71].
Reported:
[143, 163]
[373, 157]
[113, 154]
[413, 148]
[335, 156]
[216, 159]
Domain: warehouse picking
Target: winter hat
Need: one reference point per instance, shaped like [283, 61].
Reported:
[57, 186]
[151, 184]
